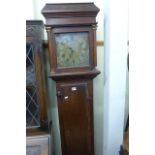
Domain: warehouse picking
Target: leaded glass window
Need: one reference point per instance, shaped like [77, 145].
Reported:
[32, 107]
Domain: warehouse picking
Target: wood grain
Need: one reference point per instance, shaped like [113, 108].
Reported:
[76, 117]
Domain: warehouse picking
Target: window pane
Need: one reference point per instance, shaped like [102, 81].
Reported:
[32, 108]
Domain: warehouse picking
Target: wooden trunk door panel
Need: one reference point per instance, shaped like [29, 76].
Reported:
[75, 112]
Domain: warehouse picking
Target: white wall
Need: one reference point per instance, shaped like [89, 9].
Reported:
[126, 112]
[30, 12]
[116, 36]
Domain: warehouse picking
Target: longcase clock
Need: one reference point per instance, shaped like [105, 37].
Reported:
[71, 30]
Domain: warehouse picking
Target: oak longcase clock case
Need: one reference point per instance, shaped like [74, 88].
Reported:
[71, 30]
